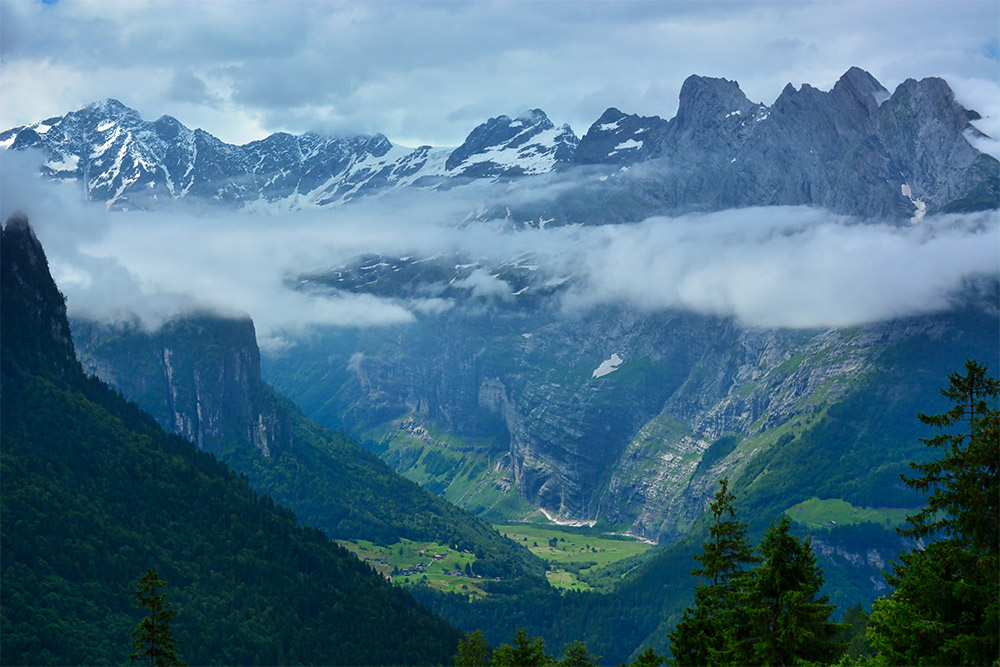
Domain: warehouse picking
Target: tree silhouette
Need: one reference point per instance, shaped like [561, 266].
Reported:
[152, 637]
[525, 651]
[473, 650]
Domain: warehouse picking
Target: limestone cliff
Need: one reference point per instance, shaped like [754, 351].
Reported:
[199, 376]
[624, 416]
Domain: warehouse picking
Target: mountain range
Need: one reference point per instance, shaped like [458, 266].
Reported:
[856, 149]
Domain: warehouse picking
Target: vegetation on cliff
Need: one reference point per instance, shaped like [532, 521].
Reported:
[95, 493]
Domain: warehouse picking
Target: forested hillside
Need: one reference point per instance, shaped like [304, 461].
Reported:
[199, 376]
[95, 492]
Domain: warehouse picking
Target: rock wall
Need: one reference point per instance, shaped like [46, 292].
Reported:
[199, 376]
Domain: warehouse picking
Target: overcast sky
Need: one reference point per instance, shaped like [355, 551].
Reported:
[428, 72]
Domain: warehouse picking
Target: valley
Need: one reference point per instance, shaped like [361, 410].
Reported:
[342, 383]
[573, 560]
[576, 559]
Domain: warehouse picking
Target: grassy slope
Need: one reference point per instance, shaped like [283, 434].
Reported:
[572, 554]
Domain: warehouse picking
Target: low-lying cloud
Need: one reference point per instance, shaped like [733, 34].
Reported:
[767, 267]
[787, 266]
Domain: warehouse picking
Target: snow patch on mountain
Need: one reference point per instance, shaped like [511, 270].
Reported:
[920, 208]
[626, 145]
[608, 366]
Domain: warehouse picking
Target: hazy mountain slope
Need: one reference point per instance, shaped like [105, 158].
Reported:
[199, 376]
[614, 416]
[94, 492]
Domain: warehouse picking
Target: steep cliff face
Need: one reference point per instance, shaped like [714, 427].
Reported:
[34, 315]
[199, 375]
[212, 394]
[621, 416]
[855, 149]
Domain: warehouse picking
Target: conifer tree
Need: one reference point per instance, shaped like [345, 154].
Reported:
[788, 620]
[706, 631]
[523, 652]
[473, 650]
[152, 637]
[648, 658]
[946, 607]
[576, 655]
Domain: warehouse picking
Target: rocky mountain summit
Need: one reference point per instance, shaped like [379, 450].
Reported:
[529, 144]
[856, 149]
[127, 162]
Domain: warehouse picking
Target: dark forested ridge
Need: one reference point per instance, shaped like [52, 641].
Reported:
[95, 492]
[329, 480]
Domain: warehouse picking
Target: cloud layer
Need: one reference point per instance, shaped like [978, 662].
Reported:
[769, 267]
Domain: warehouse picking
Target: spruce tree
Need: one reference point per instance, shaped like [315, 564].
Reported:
[946, 608]
[788, 620]
[152, 637]
[576, 655]
[473, 651]
[706, 630]
[963, 486]
[523, 652]
[648, 658]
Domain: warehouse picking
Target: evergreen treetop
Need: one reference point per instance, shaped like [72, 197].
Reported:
[473, 651]
[705, 632]
[152, 638]
[773, 614]
[789, 618]
[727, 552]
[961, 486]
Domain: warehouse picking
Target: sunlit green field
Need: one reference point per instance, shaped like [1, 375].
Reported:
[568, 553]
[818, 513]
[412, 563]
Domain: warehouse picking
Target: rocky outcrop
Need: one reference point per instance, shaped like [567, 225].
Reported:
[199, 376]
[34, 310]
